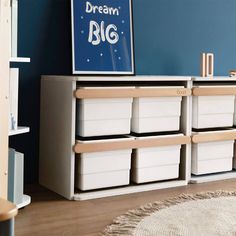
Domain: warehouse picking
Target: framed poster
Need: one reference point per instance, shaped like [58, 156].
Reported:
[102, 40]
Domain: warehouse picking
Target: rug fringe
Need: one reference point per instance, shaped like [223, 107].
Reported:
[126, 223]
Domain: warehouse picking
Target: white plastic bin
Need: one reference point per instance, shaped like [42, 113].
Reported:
[212, 157]
[156, 114]
[103, 169]
[156, 163]
[213, 111]
[108, 116]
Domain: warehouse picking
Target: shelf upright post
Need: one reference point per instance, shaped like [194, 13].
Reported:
[5, 26]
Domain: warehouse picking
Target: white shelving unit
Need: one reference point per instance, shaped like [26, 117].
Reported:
[5, 59]
[129, 189]
[5, 19]
[20, 59]
[20, 130]
[25, 202]
[215, 81]
[213, 177]
[57, 147]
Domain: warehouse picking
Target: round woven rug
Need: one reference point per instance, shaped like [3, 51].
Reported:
[203, 214]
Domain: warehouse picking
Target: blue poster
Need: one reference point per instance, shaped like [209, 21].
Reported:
[102, 37]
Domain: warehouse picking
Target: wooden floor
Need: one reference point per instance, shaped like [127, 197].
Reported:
[50, 214]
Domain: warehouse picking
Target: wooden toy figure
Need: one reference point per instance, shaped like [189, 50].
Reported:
[232, 73]
[207, 65]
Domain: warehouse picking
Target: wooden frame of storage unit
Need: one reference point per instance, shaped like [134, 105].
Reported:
[58, 145]
[221, 82]
[219, 91]
[213, 137]
[132, 92]
[131, 144]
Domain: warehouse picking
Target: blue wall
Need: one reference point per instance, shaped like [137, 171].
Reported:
[169, 36]
[44, 36]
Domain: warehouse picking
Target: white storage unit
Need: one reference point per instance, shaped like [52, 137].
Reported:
[60, 151]
[213, 111]
[156, 163]
[103, 169]
[214, 97]
[156, 114]
[213, 156]
[104, 116]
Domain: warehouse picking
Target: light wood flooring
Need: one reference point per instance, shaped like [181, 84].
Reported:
[51, 215]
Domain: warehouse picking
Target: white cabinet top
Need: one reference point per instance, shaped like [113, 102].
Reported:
[214, 79]
[143, 78]
[140, 78]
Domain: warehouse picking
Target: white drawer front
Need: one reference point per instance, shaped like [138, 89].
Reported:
[212, 157]
[104, 117]
[213, 111]
[104, 161]
[156, 107]
[156, 114]
[156, 173]
[158, 156]
[105, 109]
[102, 180]
[213, 104]
[212, 120]
[211, 166]
[103, 127]
[212, 150]
[155, 124]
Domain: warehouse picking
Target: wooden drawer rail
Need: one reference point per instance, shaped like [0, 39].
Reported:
[129, 144]
[214, 91]
[131, 92]
[223, 136]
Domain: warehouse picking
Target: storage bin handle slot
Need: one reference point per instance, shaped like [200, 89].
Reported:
[214, 91]
[203, 138]
[129, 144]
[132, 92]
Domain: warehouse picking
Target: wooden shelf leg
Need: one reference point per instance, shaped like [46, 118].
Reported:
[7, 227]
